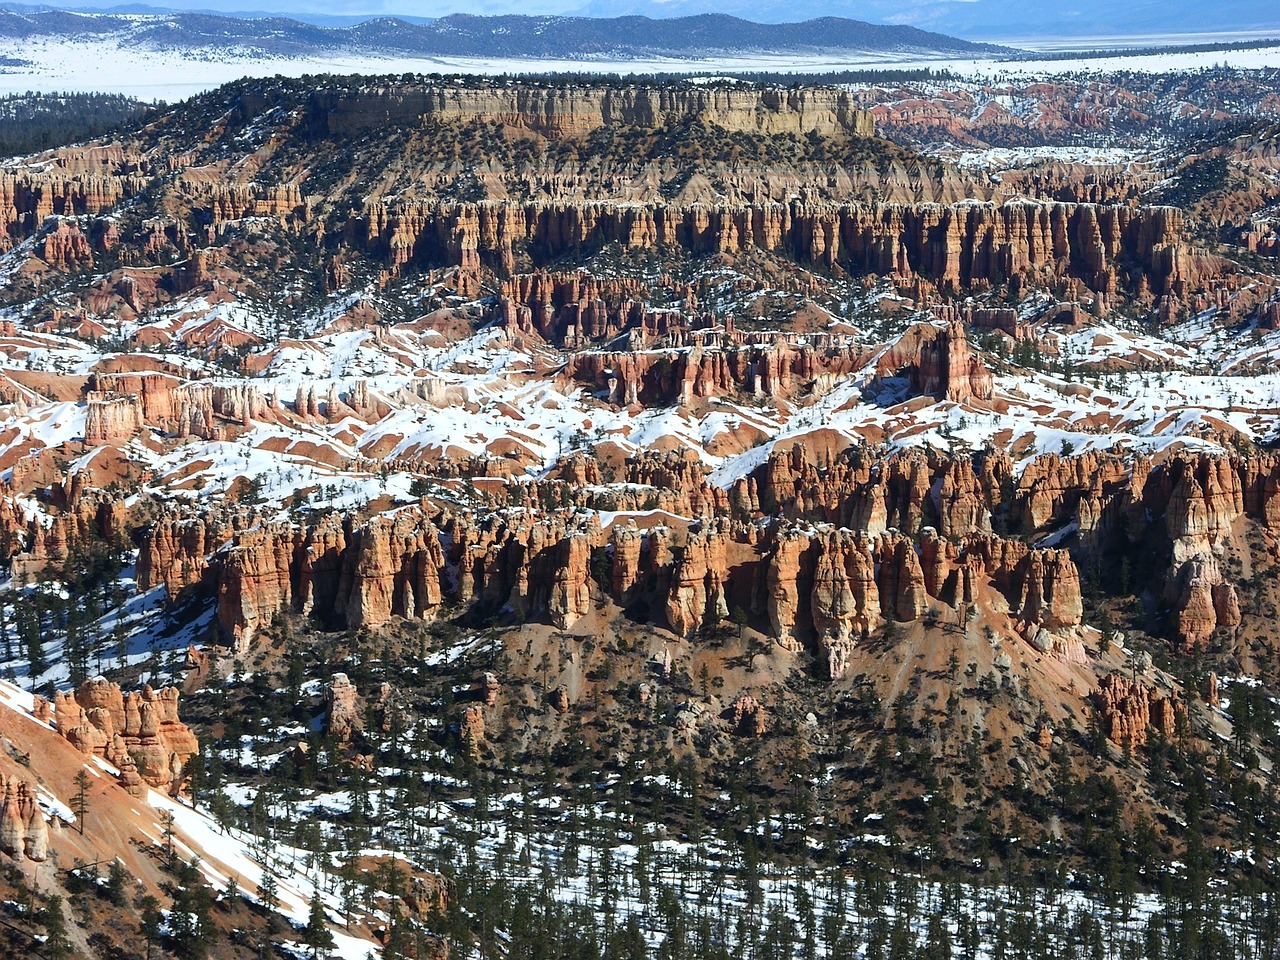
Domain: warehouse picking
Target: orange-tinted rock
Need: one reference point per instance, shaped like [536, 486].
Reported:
[1129, 711]
[471, 728]
[749, 718]
[343, 716]
[23, 830]
[560, 699]
[1050, 593]
[697, 594]
[140, 726]
[112, 419]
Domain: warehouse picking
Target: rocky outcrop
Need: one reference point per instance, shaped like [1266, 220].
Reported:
[471, 728]
[953, 247]
[138, 727]
[1130, 711]
[845, 603]
[24, 831]
[559, 699]
[574, 111]
[688, 373]
[832, 567]
[698, 595]
[65, 246]
[254, 581]
[211, 411]
[939, 362]
[1050, 593]
[858, 582]
[176, 551]
[570, 597]
[748, 717]
[343, 716]
[111, 419]
[396, 570]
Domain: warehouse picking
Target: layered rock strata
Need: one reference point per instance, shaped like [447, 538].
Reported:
[139, 729]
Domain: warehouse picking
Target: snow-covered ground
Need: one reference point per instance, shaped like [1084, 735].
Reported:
[109, 64]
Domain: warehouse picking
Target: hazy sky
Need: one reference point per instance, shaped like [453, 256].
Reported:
[973, 18]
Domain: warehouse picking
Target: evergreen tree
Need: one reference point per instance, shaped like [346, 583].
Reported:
[57, 945]
[80, 802]
[151, 922]
[316, 935]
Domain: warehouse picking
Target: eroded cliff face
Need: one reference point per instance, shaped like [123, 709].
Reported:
[1131, 711]
[139, 731]
[24, 832]
[575, 111]
[961, 246]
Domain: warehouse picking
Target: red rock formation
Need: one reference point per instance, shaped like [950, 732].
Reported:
[143, 727]
[66, 247]
[625, 567]
[471, 728]
[112, 419]
[955, 246]
[1130, 710]
[186, 409]
[342, 714]
[1050, 594]
[845, 606]
[748, 717]
[698, 594]
[940, 363]
[254, 581]
[23, 829]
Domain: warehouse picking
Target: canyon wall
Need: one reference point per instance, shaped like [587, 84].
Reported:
[955, 246]
[574, 111]
[855, 543]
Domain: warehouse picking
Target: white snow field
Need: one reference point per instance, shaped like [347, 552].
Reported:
[108, 63]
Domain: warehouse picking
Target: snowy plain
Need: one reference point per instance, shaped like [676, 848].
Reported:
[109, 64]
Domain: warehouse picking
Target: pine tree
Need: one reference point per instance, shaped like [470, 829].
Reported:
[191, 919]
[55, 928]
[80, 802]
[151, 921]
[166, 826]
[117, 883]
[316, 935]
[269, 893]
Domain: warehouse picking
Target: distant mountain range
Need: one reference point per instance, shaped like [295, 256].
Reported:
[988, 19]
[970, 19]
[462, 35]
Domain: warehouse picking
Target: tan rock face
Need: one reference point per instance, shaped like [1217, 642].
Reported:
[830, 570]
[489, 687]
[1051, 590]
[23, 829]
[471, 728]
[760, 365]
[576, 111]
[342, 711]
[940, 363]
[112, 419]
[67, 247]
[1130, 711]
[571, 588]
[138, 728]
[748, 717]
[698, 594]
[559, 699]
[953, 246]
